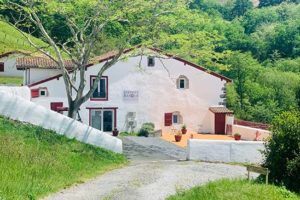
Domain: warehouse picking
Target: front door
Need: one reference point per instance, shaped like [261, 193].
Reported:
[102, 119]
[220, 123]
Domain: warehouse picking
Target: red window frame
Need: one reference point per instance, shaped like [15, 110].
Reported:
[92, 77]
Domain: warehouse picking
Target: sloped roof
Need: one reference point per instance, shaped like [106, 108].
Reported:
[39, 62]
[111, 54]
[220, 109]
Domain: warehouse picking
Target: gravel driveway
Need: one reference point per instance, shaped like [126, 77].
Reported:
[153, 174]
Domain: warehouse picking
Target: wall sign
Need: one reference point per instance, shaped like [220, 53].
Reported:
[131, 95]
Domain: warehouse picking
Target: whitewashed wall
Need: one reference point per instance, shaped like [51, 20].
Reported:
[225, 151]
[249, 133]
[23, 91]
[158, 93]
[10, 66]
[15, 107]
[37, 74]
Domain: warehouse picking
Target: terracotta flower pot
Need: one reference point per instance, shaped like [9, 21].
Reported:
[115, 133]
[237, 137]
[183, 130]
[178, 138]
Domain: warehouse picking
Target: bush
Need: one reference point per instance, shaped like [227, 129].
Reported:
[146, 129]
[283, 151]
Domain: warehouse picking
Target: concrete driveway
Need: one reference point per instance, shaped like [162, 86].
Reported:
[154, 173]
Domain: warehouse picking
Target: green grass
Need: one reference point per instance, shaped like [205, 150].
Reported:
[235, 189]
[5, 80]
[128, 134]
[35, 162]
[12, 40]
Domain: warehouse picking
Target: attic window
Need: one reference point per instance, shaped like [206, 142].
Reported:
[43, 92]
[1, 67]
[182, 82]
[151, 61]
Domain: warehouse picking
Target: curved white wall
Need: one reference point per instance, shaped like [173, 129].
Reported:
[23, 92]
[17, 108]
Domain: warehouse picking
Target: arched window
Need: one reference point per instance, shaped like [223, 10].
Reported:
[182, 82]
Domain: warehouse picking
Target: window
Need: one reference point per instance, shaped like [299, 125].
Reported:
[39, 92]
[182, 82]
[175, 119]
[43, 92]
[103, 119]
[101, 92]
[151, 61]
[1, 67]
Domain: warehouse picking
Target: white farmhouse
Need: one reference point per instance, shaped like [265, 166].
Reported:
[8, 64]
[165, 90]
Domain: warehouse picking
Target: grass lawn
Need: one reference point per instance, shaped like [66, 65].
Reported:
[11, 40]
[11, 80]
[35, 162]
[235, 189]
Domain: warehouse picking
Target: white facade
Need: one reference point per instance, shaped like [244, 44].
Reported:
[140, 93]
[10, 69]
[36, 74]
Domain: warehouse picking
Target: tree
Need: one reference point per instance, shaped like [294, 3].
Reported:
[90, 23]
[283, 151]
[263, 3]
[241, 7]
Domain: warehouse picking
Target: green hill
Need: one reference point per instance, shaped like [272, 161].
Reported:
[35, 162]
[12, 40]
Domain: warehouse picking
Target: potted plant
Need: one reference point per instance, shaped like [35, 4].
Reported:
[115, 132]
[178, 136]
[183, 129]
[237, 136]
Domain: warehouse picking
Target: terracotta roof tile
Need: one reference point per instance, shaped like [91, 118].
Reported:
[39, 62]
[220, 109]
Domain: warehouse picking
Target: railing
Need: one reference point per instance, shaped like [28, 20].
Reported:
[251, 124]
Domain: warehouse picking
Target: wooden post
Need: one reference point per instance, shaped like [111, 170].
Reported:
[259, 170]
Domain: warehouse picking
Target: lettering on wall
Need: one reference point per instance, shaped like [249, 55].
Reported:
[130, 95]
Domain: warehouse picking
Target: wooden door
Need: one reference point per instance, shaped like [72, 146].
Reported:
[220, 123]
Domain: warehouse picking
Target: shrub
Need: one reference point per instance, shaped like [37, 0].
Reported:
[146, 129]
[283, 151]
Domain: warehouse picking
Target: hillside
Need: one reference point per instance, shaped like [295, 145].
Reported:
[13, 40]
[35, 162]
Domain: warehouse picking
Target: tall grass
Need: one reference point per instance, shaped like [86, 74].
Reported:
[11, 39]
[35, 162]
[235, 189]
[11, 80]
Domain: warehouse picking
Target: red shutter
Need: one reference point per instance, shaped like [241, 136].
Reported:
[56, 106]
[35, 93]
[1, 67]
[168, 119]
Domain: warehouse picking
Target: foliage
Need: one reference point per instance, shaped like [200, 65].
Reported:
[146, 129]
[13, 40]
[235, 189]
[35, 162]
[258, 48]
[10, 80]
[283, 151]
